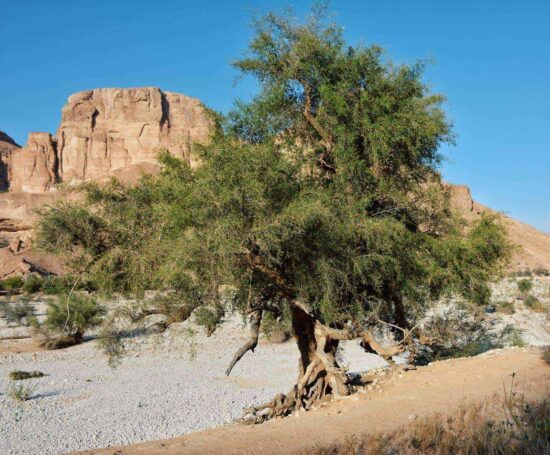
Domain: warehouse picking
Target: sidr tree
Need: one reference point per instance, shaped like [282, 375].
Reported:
[320, 199]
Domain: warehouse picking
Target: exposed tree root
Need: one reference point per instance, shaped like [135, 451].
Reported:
[320, 376]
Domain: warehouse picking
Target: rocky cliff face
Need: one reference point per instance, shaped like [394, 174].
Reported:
[33, 169]
[103, 132]
[108, 129]
[7, 146]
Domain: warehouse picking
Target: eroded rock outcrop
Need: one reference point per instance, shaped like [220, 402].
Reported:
[108, 129]
[33, 169]
[105, 132]
[7, 146]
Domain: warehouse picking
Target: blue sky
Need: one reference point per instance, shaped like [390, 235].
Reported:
[492, 61]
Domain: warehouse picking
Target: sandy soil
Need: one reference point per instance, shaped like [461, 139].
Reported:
[439, 387]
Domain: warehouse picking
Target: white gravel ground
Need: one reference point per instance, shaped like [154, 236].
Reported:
[162, 389]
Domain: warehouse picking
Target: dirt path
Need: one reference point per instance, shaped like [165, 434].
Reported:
[439, 387]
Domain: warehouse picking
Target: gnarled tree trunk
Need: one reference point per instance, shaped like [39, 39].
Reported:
[319, 373]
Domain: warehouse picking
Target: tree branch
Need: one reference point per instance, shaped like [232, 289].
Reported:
[250, 345]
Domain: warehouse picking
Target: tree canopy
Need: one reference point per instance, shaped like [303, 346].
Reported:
[320, 197]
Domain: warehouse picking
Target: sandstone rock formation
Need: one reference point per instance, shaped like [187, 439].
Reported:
[103, 132]
[33, 169]
[108, 129]
[7, 146]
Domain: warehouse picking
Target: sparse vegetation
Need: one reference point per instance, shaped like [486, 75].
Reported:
[19, 375]
[524, 287]
[534, 304]
[505, 306]
[11, 284]
[471, 431]
[19, 313]
[68, 318]
[20, 392]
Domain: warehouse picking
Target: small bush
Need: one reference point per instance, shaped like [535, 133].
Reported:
[20, 313]
[516, 339]
[209, 318]
[533, 303]
[69, 317]
[546, 354]
[33, 284]
[19, 375]
[505, 307]
[20, 392]
[55, 285]
[524, 286]
[11, 284]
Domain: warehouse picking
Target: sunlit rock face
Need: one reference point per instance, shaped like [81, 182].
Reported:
[104, 130]
[33, 169]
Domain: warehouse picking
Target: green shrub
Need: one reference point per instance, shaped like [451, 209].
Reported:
[11, 284]
[55, 285]
[546, 354]
[20, 392]
[74, 313]
[20, 313]
[33, 284]
[533, 303]
[209, 318]
[516, 339]
[524, 286]
[68, 318]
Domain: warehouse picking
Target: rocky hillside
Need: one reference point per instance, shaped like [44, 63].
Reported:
[532, 246]
[118, 132]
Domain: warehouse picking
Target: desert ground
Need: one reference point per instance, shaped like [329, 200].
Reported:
[166, 387]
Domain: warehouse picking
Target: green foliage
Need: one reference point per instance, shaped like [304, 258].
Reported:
[209, 318]
[33, 284]
[534, 304]
[110, 342]
[21, 392]
[20, 312]
[73, 314]
[12, 284]
[323, 190]
[516, 339]
[524, 286]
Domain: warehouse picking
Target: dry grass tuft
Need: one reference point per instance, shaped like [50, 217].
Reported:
[471, 431]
